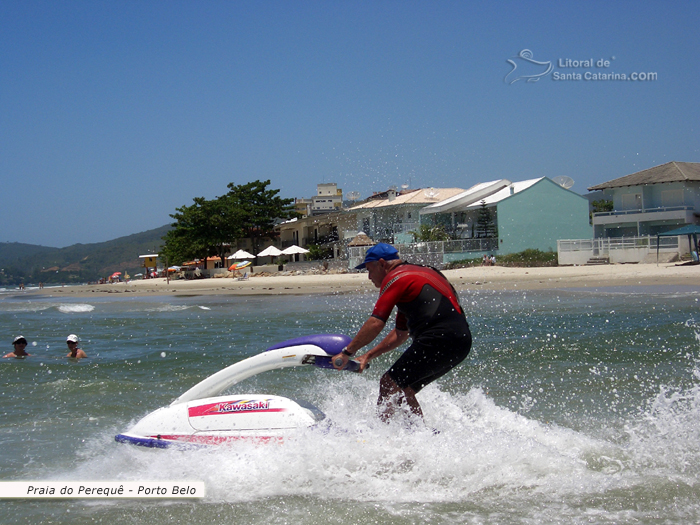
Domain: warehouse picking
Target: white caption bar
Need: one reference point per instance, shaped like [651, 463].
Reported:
[101, 489]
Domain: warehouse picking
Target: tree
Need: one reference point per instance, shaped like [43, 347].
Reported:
[598, 207]
[601, 205]
[258, 208]
[318, 252]
[427, 233]
[485, 226]
[209, 227]
[204, 229]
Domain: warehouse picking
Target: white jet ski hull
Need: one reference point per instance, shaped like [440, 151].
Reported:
[202, 417]
[221, 420]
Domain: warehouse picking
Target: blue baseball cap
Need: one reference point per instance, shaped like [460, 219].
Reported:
[379, 251]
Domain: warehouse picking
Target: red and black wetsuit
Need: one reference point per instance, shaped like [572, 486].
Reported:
[429, 309]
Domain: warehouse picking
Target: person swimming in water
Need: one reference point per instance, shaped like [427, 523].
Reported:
[75, 352]
[20, 343]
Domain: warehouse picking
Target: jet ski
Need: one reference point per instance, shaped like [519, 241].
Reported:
[203, 417]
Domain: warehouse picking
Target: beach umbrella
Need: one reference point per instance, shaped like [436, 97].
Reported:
[241, 254]
[239, 265]
[294, 249]
[116, 274]
[270, 251]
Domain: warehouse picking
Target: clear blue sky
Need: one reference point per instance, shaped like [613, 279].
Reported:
[114, 113]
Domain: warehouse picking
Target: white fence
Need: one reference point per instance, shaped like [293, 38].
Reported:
[430, 253]
[617, 250]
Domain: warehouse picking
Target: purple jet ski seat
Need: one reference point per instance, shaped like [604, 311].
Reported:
[332, 344]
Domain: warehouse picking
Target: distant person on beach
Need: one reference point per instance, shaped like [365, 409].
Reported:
[72, 342]
[20, 343]
[428, 311]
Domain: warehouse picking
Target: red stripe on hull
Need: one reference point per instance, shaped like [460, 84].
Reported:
[217, 440]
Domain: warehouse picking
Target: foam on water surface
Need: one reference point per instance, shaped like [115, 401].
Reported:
[573, 407]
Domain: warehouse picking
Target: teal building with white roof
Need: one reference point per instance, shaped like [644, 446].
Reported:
[513, 216]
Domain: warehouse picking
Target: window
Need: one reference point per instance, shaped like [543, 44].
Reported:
[632, 201]
[671, 198]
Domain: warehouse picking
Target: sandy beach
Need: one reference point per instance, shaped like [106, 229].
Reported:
[484, 278]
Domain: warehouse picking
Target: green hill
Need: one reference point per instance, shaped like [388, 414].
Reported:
[31, 264]
[12, 252]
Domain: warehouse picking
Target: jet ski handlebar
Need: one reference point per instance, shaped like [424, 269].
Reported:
[317, 350]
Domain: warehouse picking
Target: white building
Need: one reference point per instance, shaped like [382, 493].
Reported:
[328, 198]
[651, 201]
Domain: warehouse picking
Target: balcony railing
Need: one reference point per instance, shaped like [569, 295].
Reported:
[487, 244]
[603, 245]
[405, 227]
[642, 210]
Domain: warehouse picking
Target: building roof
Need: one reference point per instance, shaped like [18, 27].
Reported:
[420, 197]
[379, 195]
[460, 201]
[331, 217]
[506, 192]
[669, 172]
[688, 229]
[361, 239]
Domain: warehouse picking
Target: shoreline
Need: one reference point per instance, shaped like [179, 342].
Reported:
[495, 278]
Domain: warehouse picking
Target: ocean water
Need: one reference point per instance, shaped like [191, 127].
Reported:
[575, 406]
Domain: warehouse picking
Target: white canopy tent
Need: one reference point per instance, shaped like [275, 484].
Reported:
[270, 251]
[294, 249]
[241, 254]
